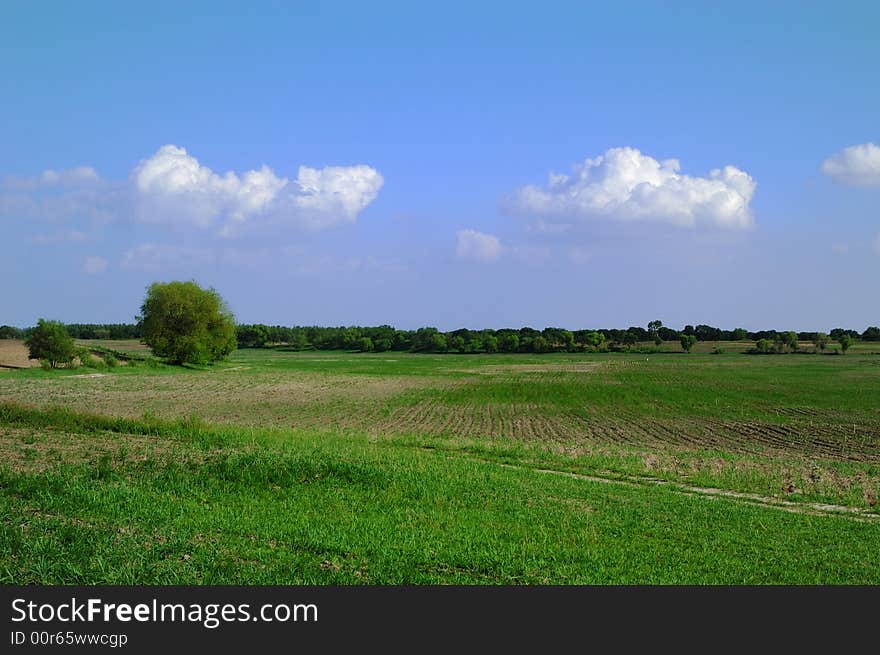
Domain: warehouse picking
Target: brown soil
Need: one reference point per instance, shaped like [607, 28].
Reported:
[14, 354]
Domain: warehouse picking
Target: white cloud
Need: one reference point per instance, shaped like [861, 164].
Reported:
[477, 245]
[94, 264]
[625, 185]
[857, 165]
[341, 191]
[173, 186]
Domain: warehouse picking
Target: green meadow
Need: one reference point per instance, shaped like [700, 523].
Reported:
[281, 467]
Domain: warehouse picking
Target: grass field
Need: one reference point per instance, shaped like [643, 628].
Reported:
[283, 467]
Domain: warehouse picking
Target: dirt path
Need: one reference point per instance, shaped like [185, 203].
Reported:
[816, 509]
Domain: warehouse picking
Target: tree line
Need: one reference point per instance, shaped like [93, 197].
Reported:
[428, 339]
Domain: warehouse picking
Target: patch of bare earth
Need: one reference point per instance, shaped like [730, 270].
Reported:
[288, 400]
[532, 422]
[495, 369]
[29, 450]
[14, 354]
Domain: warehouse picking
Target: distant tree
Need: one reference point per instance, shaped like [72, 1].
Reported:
[365, 345]
[187, 324]
[594, 339]
[629, 339]
[654, 331]
[423, 339]
[667, 334]
[707, 333]
[788, 340]
[764, 346]
[558, 339]
[740, 334]
[438, 343]
[845, 342]
[508, 342]
[350, 338]
[836, 333]
[9, 332]
[871, 334]
[402, 340]
[490, 343]
[687, 342]
[50, 341]
[821, 340]
[299, 341]
[456, 343]
[252, 336]
[540, 345]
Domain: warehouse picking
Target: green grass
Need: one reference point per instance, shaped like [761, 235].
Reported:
[277, 507]
[333, 467]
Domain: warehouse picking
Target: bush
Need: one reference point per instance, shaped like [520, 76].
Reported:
[688, 341]
[110, 360]
[51, 342]
[86, 359]
[764, 346]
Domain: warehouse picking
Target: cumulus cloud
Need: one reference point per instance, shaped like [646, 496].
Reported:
[625, 185]
[173, 186]
[477, 246]
[857, 165]
[94, 264]
[342, 191]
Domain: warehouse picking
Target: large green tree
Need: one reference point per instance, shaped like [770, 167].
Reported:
[50, 342]
[187, 324]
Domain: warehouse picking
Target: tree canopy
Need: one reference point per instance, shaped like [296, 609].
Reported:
[187, 324]
[50, 342]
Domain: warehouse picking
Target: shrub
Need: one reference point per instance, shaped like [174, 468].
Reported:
[688, 341]
[764, 346]
[86, 359]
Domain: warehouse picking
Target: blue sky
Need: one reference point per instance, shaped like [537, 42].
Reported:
[362, 163]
